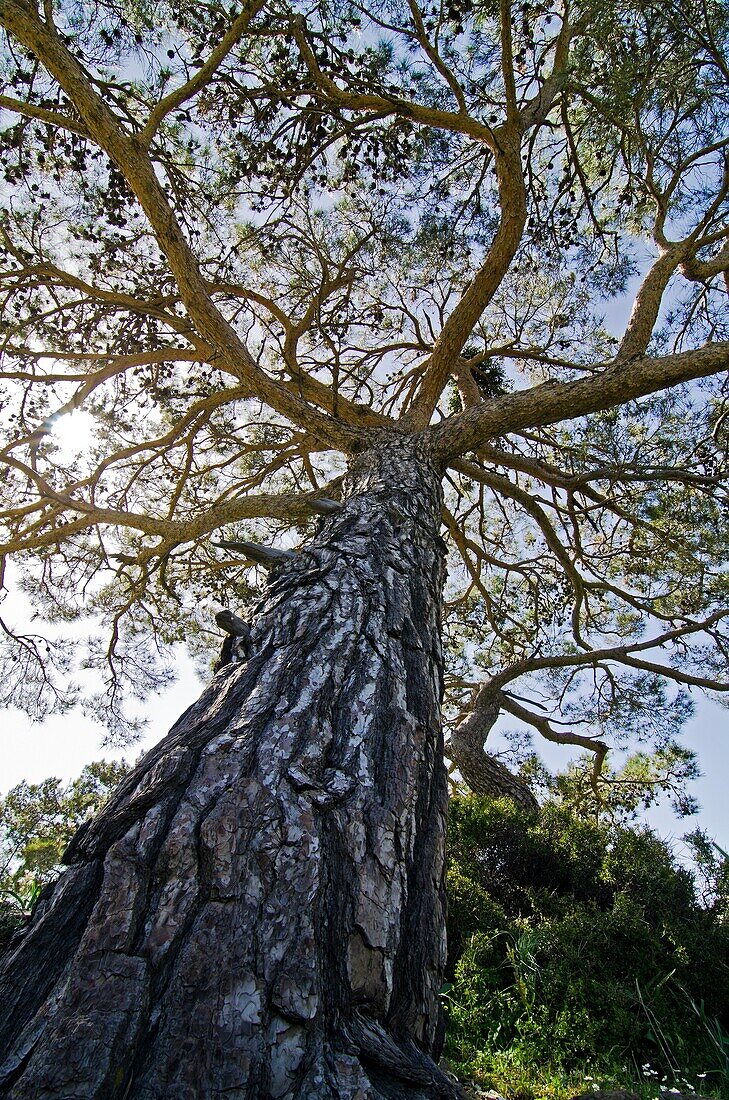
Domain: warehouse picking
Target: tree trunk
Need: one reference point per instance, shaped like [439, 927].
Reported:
[259, 910]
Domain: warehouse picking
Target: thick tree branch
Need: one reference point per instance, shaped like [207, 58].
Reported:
[704, 270]
[383, 106]
[512, 200]
[621, 654]
[552, 402]
[42, 114]
[647, 304]
[549, 733]
[483, 773]
[465, 315]
[172, 531]
[196, 83]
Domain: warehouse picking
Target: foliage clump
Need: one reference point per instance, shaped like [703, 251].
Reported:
[578, 945]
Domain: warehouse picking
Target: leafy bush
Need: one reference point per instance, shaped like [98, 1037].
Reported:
[579, 944]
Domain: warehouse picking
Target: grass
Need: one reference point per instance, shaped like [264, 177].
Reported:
[505, 1073]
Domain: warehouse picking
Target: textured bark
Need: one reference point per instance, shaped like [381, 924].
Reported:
[483, 773]
[259, 910]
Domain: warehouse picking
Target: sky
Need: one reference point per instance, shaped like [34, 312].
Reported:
[63, 744]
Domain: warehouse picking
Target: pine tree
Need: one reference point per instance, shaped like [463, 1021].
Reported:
[333, 278]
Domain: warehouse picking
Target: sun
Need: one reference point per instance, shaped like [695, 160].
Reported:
[73, 434]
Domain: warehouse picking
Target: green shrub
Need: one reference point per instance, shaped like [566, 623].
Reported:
[576, 944]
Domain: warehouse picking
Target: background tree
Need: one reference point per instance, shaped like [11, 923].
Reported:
[37, 820]
[264, 245]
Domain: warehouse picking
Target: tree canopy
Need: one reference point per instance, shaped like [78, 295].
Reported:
[248, 241]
